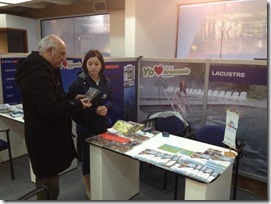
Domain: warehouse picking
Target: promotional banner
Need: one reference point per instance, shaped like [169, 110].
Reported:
[69, 71]
[11, 91]
[244, 87]
[123, 76]
[171, 86]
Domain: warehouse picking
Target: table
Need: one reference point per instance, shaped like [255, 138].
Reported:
[115, 176]
[16, 126]
[18, 146]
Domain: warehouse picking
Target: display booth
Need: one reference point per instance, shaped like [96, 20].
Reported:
[212, 86]
[146, 85]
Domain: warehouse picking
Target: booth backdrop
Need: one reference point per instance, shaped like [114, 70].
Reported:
[212, 87]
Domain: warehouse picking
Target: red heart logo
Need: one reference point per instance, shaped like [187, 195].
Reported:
[158, 69]
[64, 63]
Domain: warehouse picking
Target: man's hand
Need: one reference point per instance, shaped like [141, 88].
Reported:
[79, 96]
[86, 102]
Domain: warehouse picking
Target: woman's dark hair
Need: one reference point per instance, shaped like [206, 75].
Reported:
[93, 53]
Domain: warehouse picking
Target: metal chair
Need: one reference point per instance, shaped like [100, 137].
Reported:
[214, 134]
[171, 122]
[5, 145]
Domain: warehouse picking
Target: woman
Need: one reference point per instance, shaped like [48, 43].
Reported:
[181, 98]
[96, 119]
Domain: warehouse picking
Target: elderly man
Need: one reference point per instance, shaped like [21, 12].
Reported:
[48, 113]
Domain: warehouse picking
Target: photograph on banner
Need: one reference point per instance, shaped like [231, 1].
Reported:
[236, 85]
[171, 86]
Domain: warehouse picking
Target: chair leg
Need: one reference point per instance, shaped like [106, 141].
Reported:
[176, 187]
[11, 165]
[235, 178]
[10, 156]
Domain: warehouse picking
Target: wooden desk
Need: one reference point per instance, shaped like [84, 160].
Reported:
[115, 176]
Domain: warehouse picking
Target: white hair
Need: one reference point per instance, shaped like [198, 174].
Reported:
[49, 41]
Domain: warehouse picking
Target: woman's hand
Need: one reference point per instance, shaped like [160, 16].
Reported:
[101, 110]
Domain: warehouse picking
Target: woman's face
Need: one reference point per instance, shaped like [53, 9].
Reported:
[94, 66]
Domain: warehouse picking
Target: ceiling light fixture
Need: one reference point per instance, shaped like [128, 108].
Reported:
[3, 4]
[13, 1]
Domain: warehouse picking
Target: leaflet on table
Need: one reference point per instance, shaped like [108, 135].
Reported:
[13, 110]
[131, 130]
[174, 149]
[112, 141]
[154, 157]
[196, 170]
[4, 108]
[132, 136]
[136, 126]
[16, 114]
[179, 164]
[124, 127]
[203, 166]
[149, 134]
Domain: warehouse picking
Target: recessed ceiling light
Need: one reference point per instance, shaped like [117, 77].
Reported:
[14, 1]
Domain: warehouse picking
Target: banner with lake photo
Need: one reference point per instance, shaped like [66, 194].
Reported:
[245, 87]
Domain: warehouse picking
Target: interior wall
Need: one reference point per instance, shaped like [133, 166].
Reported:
[28, 24]
[130, 28]
[117, 19]
[150, 28]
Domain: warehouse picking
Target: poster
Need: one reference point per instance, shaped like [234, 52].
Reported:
[243, 86]
[160, 83]
[11, 91]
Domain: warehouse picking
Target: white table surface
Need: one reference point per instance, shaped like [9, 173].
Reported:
[101, 162]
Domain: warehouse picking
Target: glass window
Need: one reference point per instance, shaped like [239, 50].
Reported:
[224, 30]
[81, 33]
